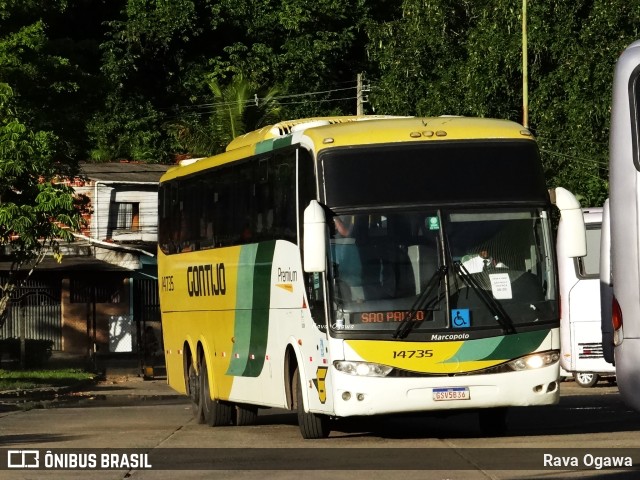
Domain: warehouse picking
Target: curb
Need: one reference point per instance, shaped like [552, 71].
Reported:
[47, 392]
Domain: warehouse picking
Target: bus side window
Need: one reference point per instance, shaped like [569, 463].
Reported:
[315, 296]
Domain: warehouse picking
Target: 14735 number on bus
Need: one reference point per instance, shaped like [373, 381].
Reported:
[412, 353]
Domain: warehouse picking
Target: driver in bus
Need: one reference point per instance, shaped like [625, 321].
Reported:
[481, 261]
[344, 225]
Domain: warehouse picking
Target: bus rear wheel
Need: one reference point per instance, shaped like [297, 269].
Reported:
[245, 415]
[586, 379]
[312, 425]
[193, 388]
[214, 412]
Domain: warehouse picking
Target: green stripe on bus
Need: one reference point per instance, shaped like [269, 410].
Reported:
[273, 144]
[261, 304]
[514, 346]
[244, 305]
[499, 348]
[282, 142]
[472, 350]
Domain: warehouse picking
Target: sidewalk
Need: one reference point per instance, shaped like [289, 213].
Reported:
[129, 387]
[119, 387]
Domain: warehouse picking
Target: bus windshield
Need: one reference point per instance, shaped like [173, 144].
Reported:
[442, 269]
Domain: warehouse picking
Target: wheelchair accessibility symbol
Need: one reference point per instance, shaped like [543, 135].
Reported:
[460, 318]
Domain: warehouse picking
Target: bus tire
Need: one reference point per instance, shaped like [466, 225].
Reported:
[586, 379]
[312, 425]
[193, 389]
[214, 412]
[493, 421]
[245, 415]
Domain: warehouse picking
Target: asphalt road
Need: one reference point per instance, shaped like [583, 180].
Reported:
[160, 426]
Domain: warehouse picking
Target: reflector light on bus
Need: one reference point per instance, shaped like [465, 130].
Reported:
[616, 314]
[616, 322]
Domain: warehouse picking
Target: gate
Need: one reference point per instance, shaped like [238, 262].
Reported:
[35, 312]
[146, 312]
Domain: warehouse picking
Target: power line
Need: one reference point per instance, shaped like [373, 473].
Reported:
[255, 100]
[573, 157]
[555, 140]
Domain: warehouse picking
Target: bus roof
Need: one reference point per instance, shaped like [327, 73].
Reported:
[351, 130]
[331, 132]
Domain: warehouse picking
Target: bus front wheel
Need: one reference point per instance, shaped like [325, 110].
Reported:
[214, 412]
[586, 379]
[312, 425]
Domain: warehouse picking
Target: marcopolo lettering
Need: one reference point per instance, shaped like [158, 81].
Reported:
[206, 280]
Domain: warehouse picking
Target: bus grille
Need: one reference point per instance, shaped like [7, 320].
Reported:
[502, 368]
[590, 350]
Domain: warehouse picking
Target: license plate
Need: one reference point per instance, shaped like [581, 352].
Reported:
[451, 393]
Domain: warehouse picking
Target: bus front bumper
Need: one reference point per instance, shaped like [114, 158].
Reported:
[355, 395]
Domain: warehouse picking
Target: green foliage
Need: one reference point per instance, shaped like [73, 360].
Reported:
[132, 78]
[129, 130]
[163, 57]
[36, 213]
[49, 55]
[28, 379]
[235, 111]
[465, 58]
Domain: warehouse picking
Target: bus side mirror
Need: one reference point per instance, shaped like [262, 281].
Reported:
[315, 238]
[575, 244]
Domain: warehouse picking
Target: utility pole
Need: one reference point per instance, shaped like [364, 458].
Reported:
[525, 68]
[361, 99]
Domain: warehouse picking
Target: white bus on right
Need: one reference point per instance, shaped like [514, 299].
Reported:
[581, 349]
[621, 317]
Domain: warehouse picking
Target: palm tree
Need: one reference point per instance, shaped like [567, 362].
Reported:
[234, 112]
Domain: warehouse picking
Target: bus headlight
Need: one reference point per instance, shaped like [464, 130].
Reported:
[535, 360]
[363, 369]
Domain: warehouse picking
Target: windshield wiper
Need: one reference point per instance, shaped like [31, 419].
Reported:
[421, 303]
[496, 309]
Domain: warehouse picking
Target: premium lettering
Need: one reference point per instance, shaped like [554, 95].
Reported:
[287, 275]
[206, 280]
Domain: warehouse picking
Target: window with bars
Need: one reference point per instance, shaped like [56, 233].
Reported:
[125, 216]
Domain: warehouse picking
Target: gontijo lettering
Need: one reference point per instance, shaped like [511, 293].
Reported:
[206, 280]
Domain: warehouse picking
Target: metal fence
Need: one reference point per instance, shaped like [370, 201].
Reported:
[146, 311]
[35, 312]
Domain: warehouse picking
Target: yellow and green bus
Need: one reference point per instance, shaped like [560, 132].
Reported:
[363, 265]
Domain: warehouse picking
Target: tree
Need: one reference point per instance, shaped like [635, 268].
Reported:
[237, 108]
[465, 58]
[153, 61]
[36, 212]
[161, 57]
[49, 55]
